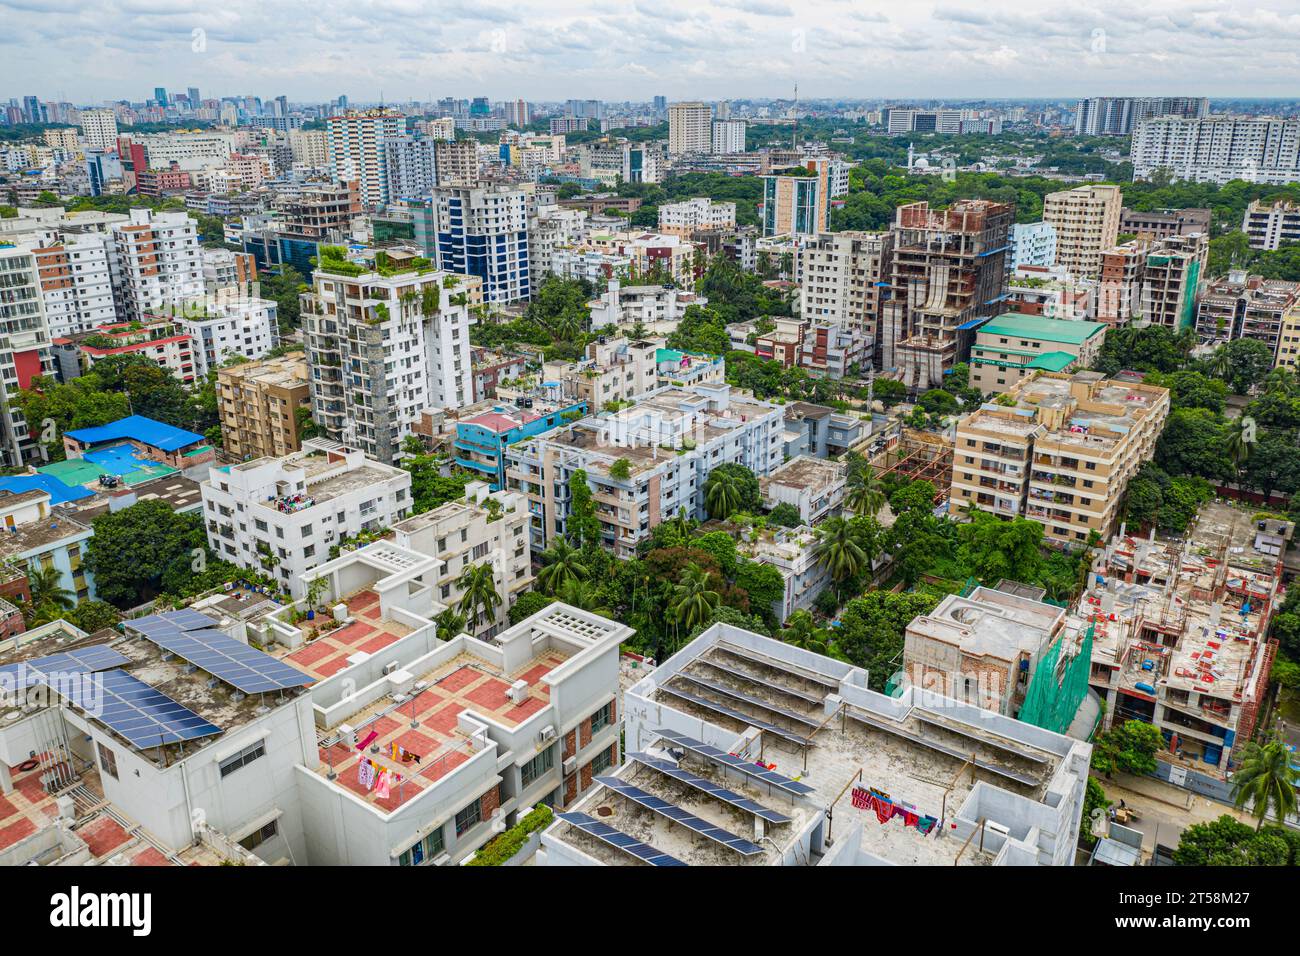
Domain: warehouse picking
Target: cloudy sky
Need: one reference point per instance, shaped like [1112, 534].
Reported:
[87, 51]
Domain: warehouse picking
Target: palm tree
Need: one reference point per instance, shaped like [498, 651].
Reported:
[561, 563]
[801, 630]
[1241, 435]
[48, 592]
[693, 601]
[584, 597]
[1265, 779]
[478, 592]
[864, 494]
[449, 623]
[722, 494]
[839, 550]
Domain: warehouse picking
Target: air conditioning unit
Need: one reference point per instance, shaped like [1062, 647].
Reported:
[518, 692]
[390, 667]
[548, 733]
[570, 765]
[442, 859]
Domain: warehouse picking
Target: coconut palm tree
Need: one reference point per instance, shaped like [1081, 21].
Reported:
[801, 630]
[839, 550]
[48, 592]
[449, 623]
[478, 592]
[1241, 436]
[693, 601]
[561, 563]
[864, 494]
[1265, 779]
[722, 494]
[584, 597]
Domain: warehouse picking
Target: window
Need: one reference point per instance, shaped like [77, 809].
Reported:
[425, 850]
[260, 836]
[469, 816]
[244, 757]
[600, 719]
[600, 763]
[543, 762]
[108, 761]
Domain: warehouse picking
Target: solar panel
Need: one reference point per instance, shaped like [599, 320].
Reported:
[678, 815]
[185, 619]
[143, 715]
[239, 665]
[749, 699]
[747, 767]
[924, 718]
[778, 666]
[84, 660]
[944, 749]
[670, 769]
[734, 714]
[620, 840]
[742, 675]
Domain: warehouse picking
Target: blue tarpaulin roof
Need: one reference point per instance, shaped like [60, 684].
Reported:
[146, 430]
[59, 492]
[972, 323]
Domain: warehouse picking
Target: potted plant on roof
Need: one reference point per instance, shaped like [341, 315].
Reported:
[315, 588]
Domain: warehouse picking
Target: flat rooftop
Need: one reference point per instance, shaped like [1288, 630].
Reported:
[806, 472]
[328, 654]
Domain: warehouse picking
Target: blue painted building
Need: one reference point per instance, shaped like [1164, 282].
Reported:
[481, 441]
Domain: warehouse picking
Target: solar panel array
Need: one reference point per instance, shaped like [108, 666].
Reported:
[85, 660]
[143, 715]
[620, 840]
[191, 636]
[747, 767]
[687, 819]
[785, 668]
[742, 675]
[938, 747]
[734, 714]
[726, 691]
[670, 769]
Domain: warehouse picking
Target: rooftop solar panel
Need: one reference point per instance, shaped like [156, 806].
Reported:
[85, 660]
[747, 767]
[143, 715]
[620, 840]
[782, 666]
[234, 662]
[734, 714]
[945, 749]
[749, 699]
[742, 675]
[679, 815]
[978, 738]
[670, 769]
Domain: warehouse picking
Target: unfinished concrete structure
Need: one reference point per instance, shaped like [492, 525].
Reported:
[1181, 626]
[778, 756]
[949, 269]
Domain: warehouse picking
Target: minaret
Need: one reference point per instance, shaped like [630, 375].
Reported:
[911, 154]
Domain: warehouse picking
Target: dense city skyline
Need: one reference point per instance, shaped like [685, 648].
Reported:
[87, 52]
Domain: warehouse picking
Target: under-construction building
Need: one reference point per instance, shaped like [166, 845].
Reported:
[949, 271]
[917, 456]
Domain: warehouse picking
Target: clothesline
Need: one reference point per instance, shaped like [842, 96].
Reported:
[869, 798]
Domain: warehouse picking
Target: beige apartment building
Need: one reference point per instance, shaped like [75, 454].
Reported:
[1012, 346]
[690, 128]
[614, 370]
[1086, 220]
[258, 403]
[1059, 449]
[1288, 343]
[842, 277]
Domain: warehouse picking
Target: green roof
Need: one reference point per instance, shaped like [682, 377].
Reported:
[1043, 329]
[1053, 361]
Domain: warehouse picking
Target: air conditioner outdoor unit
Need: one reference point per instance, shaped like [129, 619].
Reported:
[570, 765]
[390, 667]
[548, 732]
[518, 692]
[442, 859]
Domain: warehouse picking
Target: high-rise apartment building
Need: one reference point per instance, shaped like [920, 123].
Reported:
[455, 162]
[1120, 115]
[230, 326]
[949, 269]
[797, 202]
[844, 278]
[1243, 306]
[1268, 225]
[309, 147]
[156, 262]
[24, 349]
[383, 346]
[1061, 452]
[1153, 281]
[1086, 222]
[99, 127]
[728, 136]
[76, 280]
[1218, 149]
[482, 231]
[690, 128]
[409, 167]
[356, 148]
[1032, 244]
[258, 405]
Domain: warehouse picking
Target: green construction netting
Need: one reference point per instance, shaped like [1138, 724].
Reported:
[1058, 686]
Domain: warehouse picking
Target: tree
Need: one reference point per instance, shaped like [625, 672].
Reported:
[1094, 798]
[786, 515]
[49, 596]
[133, 548]
[914, 496]
[479, 596]
[584, 597]
[582, 525]
[529, 603]
[888, 391]
[561, 563]
[997, 549]
[429, 487]
[871, 630]
[730, 488]
[449, 624]
[1265, 780]
[839, 549]
[92, 616]
[693, 598]
[764, 585]
[1247, 362]
[1130, 747]
[1229, 842]
[621, 470]
[864, 494]
[801, 630]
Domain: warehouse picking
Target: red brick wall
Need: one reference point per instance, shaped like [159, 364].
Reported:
[571, 743]
[491, 801]
[584, 733]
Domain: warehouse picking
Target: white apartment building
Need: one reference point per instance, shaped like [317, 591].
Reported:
[99, 128]
[410, 167]
[76, 279]
[690, 128]
[356, 149]
[1218, 149]
[590, 264]
[1032, 244]
[309, 148]
[233, 325]
[155, 262]
[613, 370]
[1268, 225]
[24, 348]
[813, 485]
[655, 307]
[384, 347]
[483, 527]
[1086, 221]
[683, 218]
[281, 516]
[728, 136]
[554, 227]
[671, 439]
[841, 276]
[190, 151]
[792, 551]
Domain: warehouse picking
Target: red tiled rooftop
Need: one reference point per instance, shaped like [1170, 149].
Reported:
[328, 654]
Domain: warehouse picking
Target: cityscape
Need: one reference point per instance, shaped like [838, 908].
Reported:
[655, 473]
